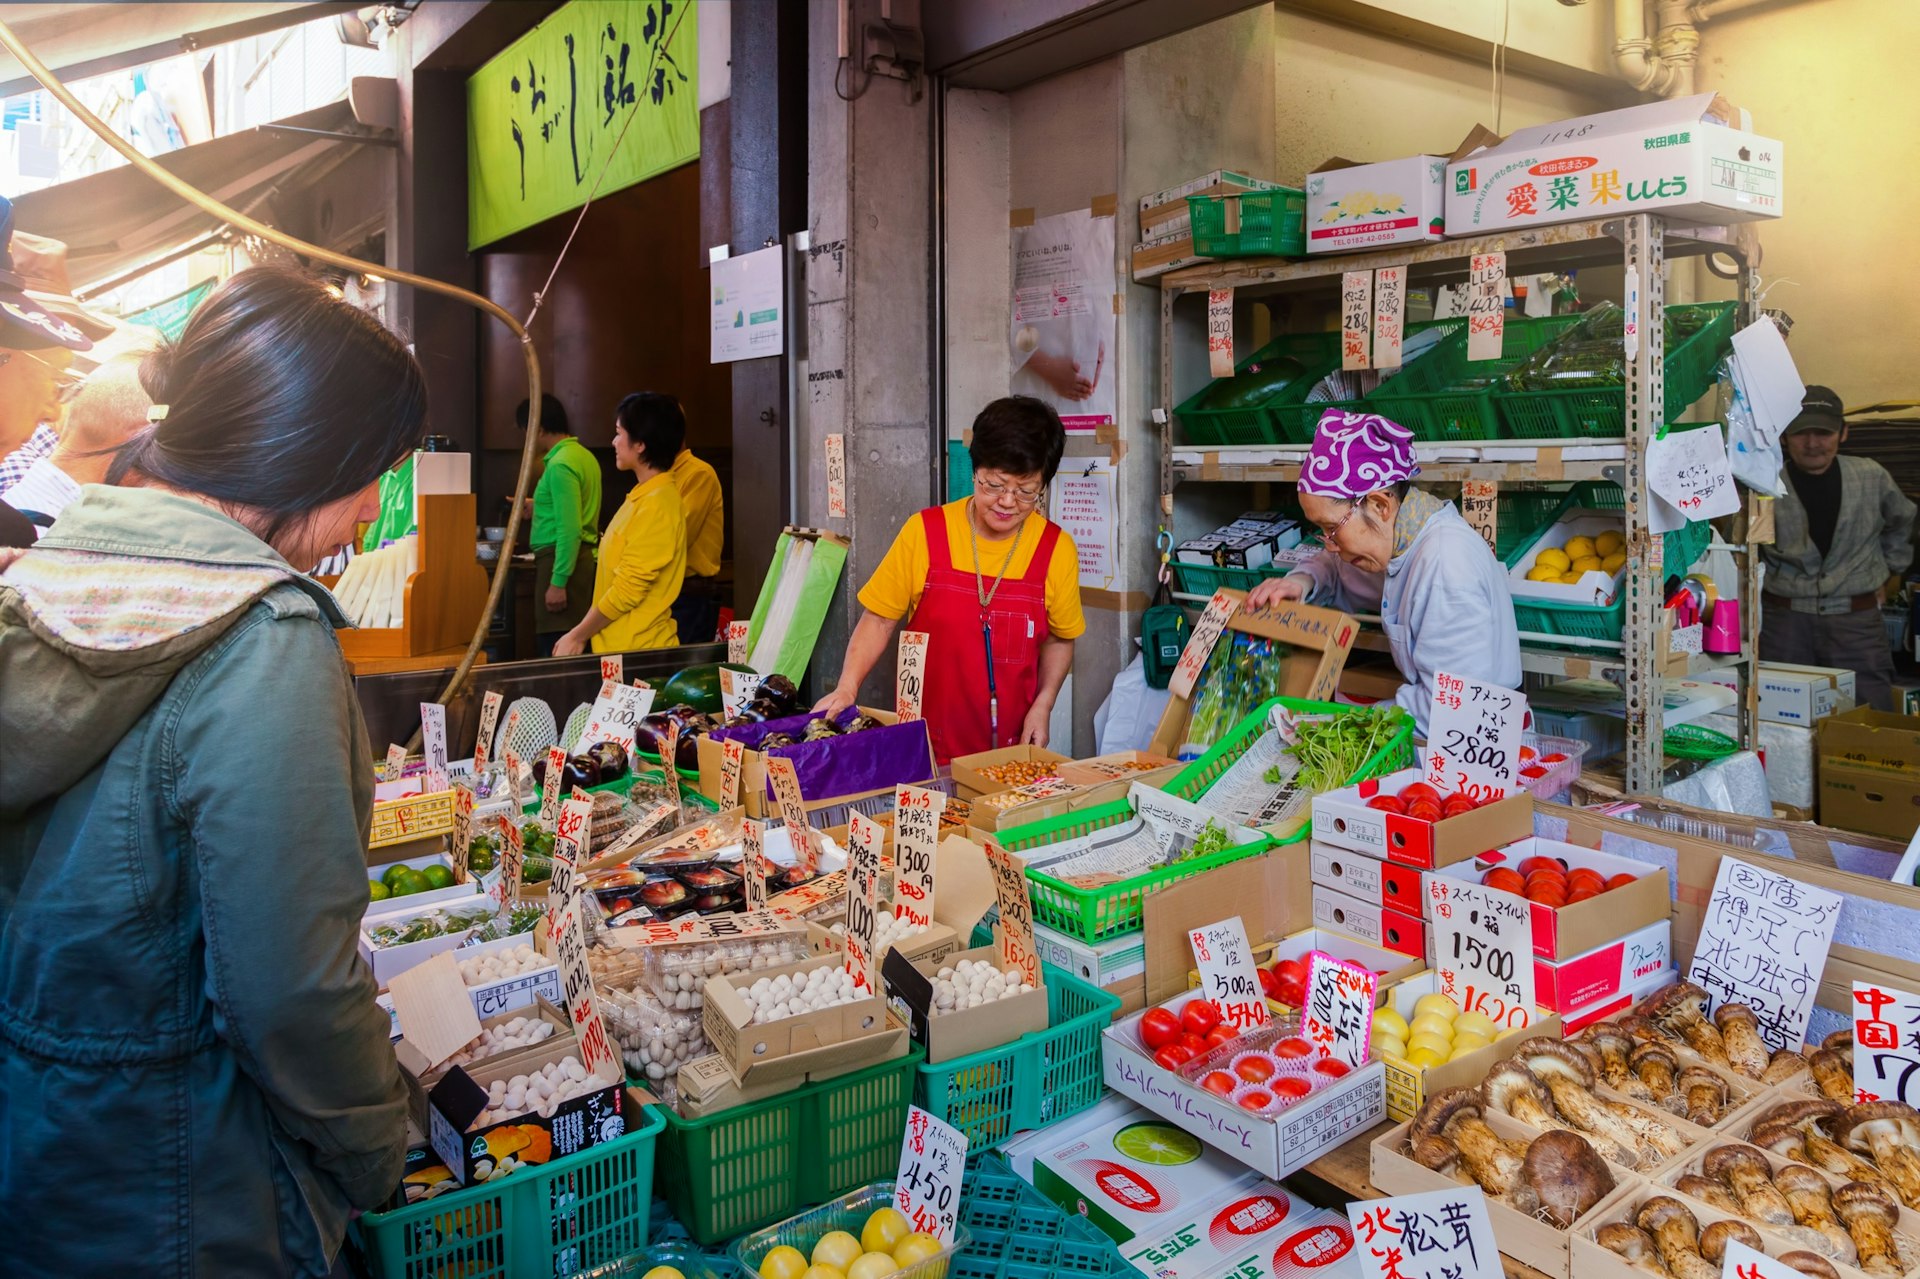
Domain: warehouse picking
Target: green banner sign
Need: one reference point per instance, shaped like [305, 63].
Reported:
[544, 116]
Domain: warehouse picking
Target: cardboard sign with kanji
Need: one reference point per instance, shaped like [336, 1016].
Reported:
[1474, 734]
[864, 838]
[1338, 1017]
[1763, 943]
[550, 786]
[462, 831]
[571, 839]
[737, 642]
[1220, 333]
[1017, 948]
[1482, 948]
[733, 756]
[736, 690]
[483, 740]
[1440, 1234]
[1886, 1044]
[1206, 633]
[910, 675]
[926, 1190]
[793, 808]
[916, 834]
[753, 865]
[433, 745]
[1228, 975]
[396, 764]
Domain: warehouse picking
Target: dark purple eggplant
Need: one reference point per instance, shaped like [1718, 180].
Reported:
[681, 714]
[687, 755]
[650, 733]
[768, 708]
[820, 729]
[581, 771]
[747, 716]
[780, 690]
[611, 758]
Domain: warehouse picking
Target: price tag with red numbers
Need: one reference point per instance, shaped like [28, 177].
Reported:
[1474, 733]
[1206, 633]
[1228, 976]
[570, 843]
[910, 675]
[568, 940]
[1338, 1017]
[864, 837]
[1482, 948]
[926, 1190]
[1886, 1044]
[916, 834]
[793, 810]
[1016, 912]
[753, 861]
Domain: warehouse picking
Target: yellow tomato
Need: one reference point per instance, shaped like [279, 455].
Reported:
[915, 1248]
[1432, 1024]
[873, 1265]
[1473, 1024]
[1464, 1044]
[1437, 1004]
[1385, 1045]
[1388, 1022]
[1425, 1057]
[1431, 1043]
[783, 1263]
[824, 1272]
[885, 1228]
[838, 1249]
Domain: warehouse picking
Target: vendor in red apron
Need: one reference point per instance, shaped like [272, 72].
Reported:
[995, 585]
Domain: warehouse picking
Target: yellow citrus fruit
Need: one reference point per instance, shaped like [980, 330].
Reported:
[783, 1263]
[1554, 558]
[838, 1249]
[663, 1272]
[1578, 548]
[873, 1265]
[1543, 574]
[1432, 1024]
[1425, 1057]
[824, 1272]
[1434, 1044]
[1587, 564]
[915, 1248]
[1388, 1022]
[1473, 1024]
[885, 1228]
[1438, 1004]
[1464, 1044]
[1569, 578]
[1614, 562]
[1609, 543]
[1389, 1046]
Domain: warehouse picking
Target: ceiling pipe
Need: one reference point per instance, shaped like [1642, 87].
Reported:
[1677, 45]
[1633, 52]
[1707, 10]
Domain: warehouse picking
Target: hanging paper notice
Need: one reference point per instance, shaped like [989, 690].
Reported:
[1219, 332]
[1486, 306]
[926, 1190]
[1206, 633]
[733, 756]
[1763, 943]
[1389, 315]
[753, 865]
[1482, 948]
[736, 690]
[483, 742]
[1480, 506]
[1439, 1234]
[737, 642]
[1016, 912]
[614, 667]
[396, 764]
[433, 745]
[462, 831]
[864, 837]
[1338, 1018]
[1474, 734]
[1886, 1044]
[1356, 319]
[1690, 472]
[1082, 504]
[1228, 975]
[837, 477]
[910, 675]
[916, 833]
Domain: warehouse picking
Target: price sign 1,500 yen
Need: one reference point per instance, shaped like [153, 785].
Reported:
[1482, 948]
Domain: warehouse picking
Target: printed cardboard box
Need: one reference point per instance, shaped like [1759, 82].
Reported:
[1341, 819]
[909, 989]
[1800, 695]
[1102, 963]
[1366, 206]
[477, 1154]
[511, 993]
[1870, 772]
[1259, 1233]
[1376, 925]
[1409, 1085]
[1561, 932]
[1611, 1006]
[758, 1051]
[1639, 958]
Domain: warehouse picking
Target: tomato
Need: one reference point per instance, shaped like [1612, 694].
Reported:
[1174, 1056]
[1257, 1100]
[1533, 772]
[1506, 879]
[1418, 790]
[1331, 1067]
[1582, 894]
[1293, 994]
[1532, 864]
[1269, 982]
[1292, 1046]
[1555, 758]
[1159, 1028]
[1620, 881]
[1590, 880]
[1456, 805]
[1386, 804]
[1255, 1070]
[1221, 1034]
[1291, 1087]
[1527, 753]
[1553, 897]
[1199, 1016]
[1422, 810]
[1291, 970]
[1219, 1081]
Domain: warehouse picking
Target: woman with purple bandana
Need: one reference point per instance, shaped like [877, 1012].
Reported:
[1441, 595]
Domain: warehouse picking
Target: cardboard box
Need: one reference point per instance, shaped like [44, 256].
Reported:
[1683, 158]
[756, 796]
[1605, 971]
[1118, 766]
[1870, 772]
[948, 1035]
[542, 1010]
[1103, 963]
[706, 1086]
[1409, 1085]
[472, 1154]
[1366, 206]
[1906, 694]
[1560, 933]
[1317, 642]
[1152, 260]
[1611, 1006]
[1341, 819]
[1269, 892]
[1801, 695]
[1371, 923]
[1368, 878]
[1261, 1232]
[757, 1052]
[973, 783]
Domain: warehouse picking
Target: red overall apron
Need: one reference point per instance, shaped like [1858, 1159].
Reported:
[955, 701]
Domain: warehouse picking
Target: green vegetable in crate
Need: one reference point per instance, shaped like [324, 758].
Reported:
[1241, 675]
[437, 923]
[1332, 749]
[1211, 839]
[1253, 385]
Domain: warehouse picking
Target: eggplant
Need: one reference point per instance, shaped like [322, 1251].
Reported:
[768, 708]
[780, 690]
[774, 741]
[611, 758]
[650, 733]
[861, 723]
[581, 771]
[686, 755]
[699, 725]
[680, 713]
[747, 716]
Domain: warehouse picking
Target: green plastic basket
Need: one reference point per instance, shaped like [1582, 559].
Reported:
[1018, 1233]
[1427, 397]
[1197, 778]
[1205, 579]
[1521, 513]
[1272, 223]
[1038, 1079]
[1690, 741]
[1319, 355]
[753, 1165]
[1602, 411]
[548, 1219]
[1095, 914]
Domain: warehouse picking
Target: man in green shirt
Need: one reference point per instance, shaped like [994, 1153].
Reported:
[566, 526]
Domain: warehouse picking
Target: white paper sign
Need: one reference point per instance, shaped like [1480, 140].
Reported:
[1389, 315]
[1356, 319]
[753, 861]
[568, 937]
[1474, 735]
[1439, 1234]
[916, 834]
[571, 839]
[745, 321]
[1742, 1262]
[1338, 1018]
[1763, 942]
[1486, 306]
[910, 675]
[616, 715]
[793, 810]
[396, 764]
[1690, 472]
[837, 477]
[737, 642]
[1228, 974]
[864, 837]
[1219, 332]
[736, 690]
[1767, 376]
[1482, 948]
[1206, 633]
[1480, 507]
[1886, 1044]
[1016, 912]
[462, 831]
[515, 783]
[513, 856]
[1081, 501]
[733, 756]
[433, 745]
[483, 741]
[926, 1190]
[550, 787]
[614, 667]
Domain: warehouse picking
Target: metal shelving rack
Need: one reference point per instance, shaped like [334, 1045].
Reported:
[1642, 244]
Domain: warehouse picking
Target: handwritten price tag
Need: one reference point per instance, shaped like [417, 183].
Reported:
[916, 834]
[753, 861]
[736, 690]
[910, 675]
[1206, 633]
[569, 938]
[550, 787]
[864, 837]
[1486, 306]
[1474, 733]
[1219, 332]
[513, 857]
[1227, 973]
[737, 642]
[837, 476]
[462, 831]
[1441, 1234]
[614, 667]
[1389, 315]
[1763, 942]
[1480, 506]
[1482, 948]
[616, 715]
[483, 741]
[1690, 472]
[433, 739]
[1338, 1018]
[1886, 1044]
[669, 769]
[793, 811]
[733, 757]
[1016, 912]
[396, 764]
[632, 835]
[926, 1190]
[571, 839]
[1356, 319]
[514, 779]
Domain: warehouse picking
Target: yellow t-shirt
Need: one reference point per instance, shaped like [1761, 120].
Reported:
[699, 486]
[893, 592]
[643, 557]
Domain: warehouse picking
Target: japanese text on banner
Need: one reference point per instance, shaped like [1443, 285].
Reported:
[933, 1159]
[1227, 973]
[1206, 633]
[1486, 306]
[433, 745]
[1482, 948]
[1338, 1018]
[1441, 1234]
[1016, 912]
[910, 675]
[733, 755]
[837, 477]
[916, 834]
[1763, 942]
[1886, 1044]
[1389, 315]
[1474, 735]
[1480, 507]
[483, 741]
[1356, 319]
[1220, 333]
[864, 838]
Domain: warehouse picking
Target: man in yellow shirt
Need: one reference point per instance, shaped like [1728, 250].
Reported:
[993, 582]
[697, 611]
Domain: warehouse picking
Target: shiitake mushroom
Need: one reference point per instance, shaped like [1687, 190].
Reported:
[773, 741]
[820, 728]
[861, 723]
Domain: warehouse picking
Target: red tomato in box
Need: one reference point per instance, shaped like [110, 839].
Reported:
[1159, 1028]
[1418, 790]
[1387, 804]
[1221, 1034]
[1174, 1056]
[1620, 881]
[1269, 982]
[1220, 1082]
[1456, 805]
[1424, 810]
[1199, 1016]
[1506, 879]
[1532, 864]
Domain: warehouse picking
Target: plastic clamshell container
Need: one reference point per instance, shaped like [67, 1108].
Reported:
[849, 1213]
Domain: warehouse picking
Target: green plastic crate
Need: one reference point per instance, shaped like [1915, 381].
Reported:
[1205, 579]
[1095, 914]
[1602, 411]
[1038, 1079]
[683, 1256]
[573, 1214]
[649, 775]
[1426, 397]
[1273, 223]
[1318, 353]
[757, 1164]
[1197, 778]
[1018, 1233]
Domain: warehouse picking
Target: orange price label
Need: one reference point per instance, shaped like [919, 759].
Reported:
[910, 675]
[1016, 912]
[1220, 333]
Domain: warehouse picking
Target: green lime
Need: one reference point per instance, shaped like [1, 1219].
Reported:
[377, 891]
[394, 872]
[1158, 1145]
[438, 876]
[410, 883]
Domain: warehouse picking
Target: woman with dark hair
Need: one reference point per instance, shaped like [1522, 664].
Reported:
[993, 582]
[194, 1076]
[643, 554]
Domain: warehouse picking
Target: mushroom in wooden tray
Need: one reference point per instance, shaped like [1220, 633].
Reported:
[1514, 1090]
[1715, 1238]
[1708, 1191]
[1890, 1131]
[1676, 1236]
[1832, 1075]
[1452, 1118]
[1658, 1070]
[1745, 1172]
[1615, 1048]
[1634, 1245]
[1740, 1034]
[1569, 1078]
[1798, 1130]
[1870, 1215]
[1681, 1012]
[1784, 1065]
[1808, 1263]
[1705, 1096]
[1811, 1199]
[1556, 1177]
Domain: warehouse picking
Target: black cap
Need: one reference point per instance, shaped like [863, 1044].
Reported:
[1820, 410]
[25, 324]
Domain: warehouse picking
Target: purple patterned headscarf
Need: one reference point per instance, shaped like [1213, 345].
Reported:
[1355, 454]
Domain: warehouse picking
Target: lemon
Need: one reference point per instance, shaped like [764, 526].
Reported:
[1478, 1024]
[377, 891]
[783, 1263]
[915, 1248]
[663, 1272]
[1434, 1044]
[1614, 562]
[1543, 574]
[1554, 558]
[1609, 543]
[873, 1265]
[1569, 578]
[885, 1228]
[1578, 548]
[1464, 1044]
[1388, 1022]
[1432, 1024]
[1388, 1046]
[825, 1272]
[1438, 1004]
[1425, 1057]
[838, 1249]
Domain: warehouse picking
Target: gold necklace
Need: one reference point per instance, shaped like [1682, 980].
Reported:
[979, 583]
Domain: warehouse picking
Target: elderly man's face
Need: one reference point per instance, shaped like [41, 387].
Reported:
[29, 393]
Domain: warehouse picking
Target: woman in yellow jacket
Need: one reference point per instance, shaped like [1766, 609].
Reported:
[643, 553]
